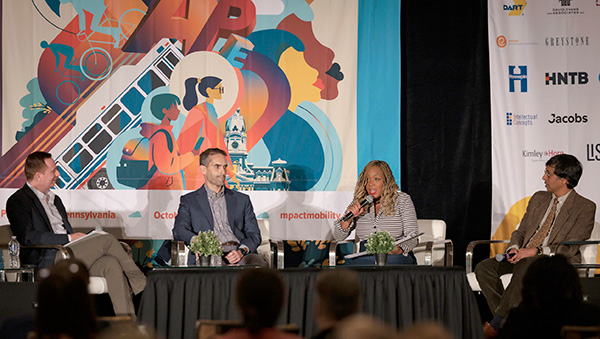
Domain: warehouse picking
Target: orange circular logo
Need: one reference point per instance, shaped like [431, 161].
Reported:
[501, 41]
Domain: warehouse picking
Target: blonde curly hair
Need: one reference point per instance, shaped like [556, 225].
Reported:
[390, 188]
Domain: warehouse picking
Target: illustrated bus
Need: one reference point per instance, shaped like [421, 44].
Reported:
[99, 123]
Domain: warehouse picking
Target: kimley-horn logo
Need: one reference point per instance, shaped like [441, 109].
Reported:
[536, 155]
[520, 119]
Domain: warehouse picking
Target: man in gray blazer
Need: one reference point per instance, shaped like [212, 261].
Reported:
[37, 216]
[214, 207]
[558, 215]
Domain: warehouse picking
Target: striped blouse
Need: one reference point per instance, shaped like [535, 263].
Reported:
[403, 222]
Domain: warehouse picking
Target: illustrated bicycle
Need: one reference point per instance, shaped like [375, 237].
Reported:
[96, 63]
[68, 91]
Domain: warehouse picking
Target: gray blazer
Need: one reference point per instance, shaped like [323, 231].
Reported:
[574, 223]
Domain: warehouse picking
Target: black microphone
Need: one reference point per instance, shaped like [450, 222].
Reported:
[502, 256]
[368, 200]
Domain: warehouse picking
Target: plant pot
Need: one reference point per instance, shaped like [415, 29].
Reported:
[203, 260]
[381, 259]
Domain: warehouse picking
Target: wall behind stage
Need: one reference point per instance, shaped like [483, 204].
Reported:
[273, 82]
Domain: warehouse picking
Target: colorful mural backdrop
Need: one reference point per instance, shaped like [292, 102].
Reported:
[125, 95]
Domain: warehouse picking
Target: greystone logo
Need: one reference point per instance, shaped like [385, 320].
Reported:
[567, 41]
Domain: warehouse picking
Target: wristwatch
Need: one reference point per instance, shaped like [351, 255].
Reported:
[539, 252]
[244, 250]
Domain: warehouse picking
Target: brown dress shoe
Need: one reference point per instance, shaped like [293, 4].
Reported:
[489, 332]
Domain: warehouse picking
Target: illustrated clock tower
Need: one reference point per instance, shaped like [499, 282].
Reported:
[235, 138]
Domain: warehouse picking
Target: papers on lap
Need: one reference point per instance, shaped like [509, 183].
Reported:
[90, 235]
[397, 242]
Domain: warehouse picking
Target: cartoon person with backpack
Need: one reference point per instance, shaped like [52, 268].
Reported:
[164, 161]
[202, 120]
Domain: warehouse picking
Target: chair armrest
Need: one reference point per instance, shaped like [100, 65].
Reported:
[587, 268]
[178, 257]
[582, 242]
[448, 251]
[471, 246]
[576, 242]
[65, 252]
[333, 249]
[277, 248]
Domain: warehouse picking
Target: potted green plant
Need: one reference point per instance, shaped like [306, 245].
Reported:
[204, 245]
[380, 244]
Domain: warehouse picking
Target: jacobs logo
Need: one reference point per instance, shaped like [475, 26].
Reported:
[568, 119]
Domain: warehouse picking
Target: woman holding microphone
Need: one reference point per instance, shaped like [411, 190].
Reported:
[391, 210]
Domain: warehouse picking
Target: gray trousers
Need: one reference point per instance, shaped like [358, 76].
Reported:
[488, 274]
[104, 257]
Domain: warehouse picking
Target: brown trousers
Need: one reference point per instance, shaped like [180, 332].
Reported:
[104, 257]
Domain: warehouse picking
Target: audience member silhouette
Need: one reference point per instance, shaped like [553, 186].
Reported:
[260, 297]
[361, 326]
[337, 297]
[552, 297]
[64, 306]
[426, 330]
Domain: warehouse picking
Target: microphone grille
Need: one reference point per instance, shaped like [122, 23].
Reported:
[369, 199]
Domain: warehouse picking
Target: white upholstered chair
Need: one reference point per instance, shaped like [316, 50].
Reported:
[433, 248]
[265, 249]
[97, 285]
[589, 252]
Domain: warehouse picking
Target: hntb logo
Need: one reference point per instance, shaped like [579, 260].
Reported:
[567, 78]
[513, 77]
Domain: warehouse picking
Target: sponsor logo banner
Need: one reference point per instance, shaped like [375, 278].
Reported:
[544, 99]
